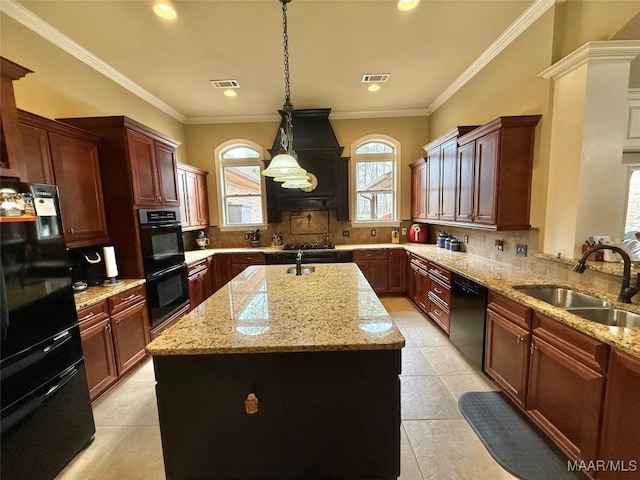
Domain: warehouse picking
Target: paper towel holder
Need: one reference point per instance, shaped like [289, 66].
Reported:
[111, 267]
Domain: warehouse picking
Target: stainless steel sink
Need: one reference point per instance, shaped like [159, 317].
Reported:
[608, 316]
[563, 297]
[305, 270]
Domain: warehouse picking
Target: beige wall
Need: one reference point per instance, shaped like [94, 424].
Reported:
[62, 86]
[411, 132]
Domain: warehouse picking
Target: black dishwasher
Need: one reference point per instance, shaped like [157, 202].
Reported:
[467, 321]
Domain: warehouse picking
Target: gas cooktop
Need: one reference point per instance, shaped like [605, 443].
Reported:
[309, 246]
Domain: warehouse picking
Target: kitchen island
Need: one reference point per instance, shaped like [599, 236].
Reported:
[282, 376]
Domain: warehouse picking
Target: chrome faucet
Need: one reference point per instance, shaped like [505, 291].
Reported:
[299, 262]
[626, 291]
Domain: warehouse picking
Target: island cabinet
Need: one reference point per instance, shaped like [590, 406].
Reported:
[441, 174]
[494, 174]
[374, 265]
[199, 283]
[66, 156]
[566, 386]
[508, 338]
[620, 419]
[114, 334]
[439, 295]
[419, 190]
[194, 203]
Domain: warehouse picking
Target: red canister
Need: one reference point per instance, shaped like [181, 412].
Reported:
[419, 233]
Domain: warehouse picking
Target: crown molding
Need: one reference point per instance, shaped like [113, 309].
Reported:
[421, 112]
[633, 94]
[605, 51]
[535, 11]
[42, 28]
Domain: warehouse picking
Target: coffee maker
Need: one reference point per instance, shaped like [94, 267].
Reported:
[87, 266]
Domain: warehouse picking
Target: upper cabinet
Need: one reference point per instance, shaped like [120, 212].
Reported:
[11, 152]
[59, 154]
[192, 191]
[494, 174]
[419, 190]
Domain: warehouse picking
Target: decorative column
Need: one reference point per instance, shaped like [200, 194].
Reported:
[587, 181]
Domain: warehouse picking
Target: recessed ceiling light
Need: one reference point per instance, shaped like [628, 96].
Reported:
[405, 5]
[230, 93]
[165, 10]
[225, 83]
[374, 87]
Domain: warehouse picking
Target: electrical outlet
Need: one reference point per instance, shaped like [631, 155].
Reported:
[521, 249]
[499, 245]
[466, 238]
[404, 232]
[373, 232]
[345, 233]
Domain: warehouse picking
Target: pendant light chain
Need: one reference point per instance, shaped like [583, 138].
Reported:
[285, 36]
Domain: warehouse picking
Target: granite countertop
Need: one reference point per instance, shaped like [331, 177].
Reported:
[93, 295]
[264, 309]
[502, 278]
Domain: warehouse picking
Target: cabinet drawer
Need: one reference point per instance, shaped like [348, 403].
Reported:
[248, 258]
[123, 300]
[440, 290]
[517, 313]
[419, 262]
[377, 254]
[197, 268]
[438, 313]
[89, 316]
[581, 347]
[439, 272]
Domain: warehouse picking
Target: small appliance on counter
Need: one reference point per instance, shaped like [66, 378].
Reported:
[202, 240]
[87, 266]
[419, 233]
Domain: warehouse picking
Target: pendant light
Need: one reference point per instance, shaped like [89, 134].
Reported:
[284, 165]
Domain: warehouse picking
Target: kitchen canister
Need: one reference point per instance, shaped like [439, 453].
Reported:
[454, 245]
[447, 243]
[442, 237]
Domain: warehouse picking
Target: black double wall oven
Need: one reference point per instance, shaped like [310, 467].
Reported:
[164, 263]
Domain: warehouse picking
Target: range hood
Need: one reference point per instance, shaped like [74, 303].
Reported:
[319, 153]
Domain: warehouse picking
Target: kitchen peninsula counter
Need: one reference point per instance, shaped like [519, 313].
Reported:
[282, 376]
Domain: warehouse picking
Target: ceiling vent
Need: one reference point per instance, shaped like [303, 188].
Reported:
[375, 77]
[225, 83]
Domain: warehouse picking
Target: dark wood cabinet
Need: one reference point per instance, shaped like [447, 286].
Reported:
[138, 169]
[11, 151]
[373, 264]
[194, 203]
[620, 418]
[494, 174]
[114, 335]
[396, 268]
[418, 283]
[439, 295]
[566, 386]
[222, 270]
[419, 190]
[240, 261]
[68, 157]
[508, 338]
[199, 283]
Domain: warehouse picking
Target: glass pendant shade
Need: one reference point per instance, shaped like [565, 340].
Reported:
[303, 183]
[295, 176]
[283, 164]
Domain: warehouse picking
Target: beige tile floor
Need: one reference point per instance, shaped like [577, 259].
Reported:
[436, 441]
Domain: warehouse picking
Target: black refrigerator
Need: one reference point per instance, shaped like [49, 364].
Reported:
[46, 416]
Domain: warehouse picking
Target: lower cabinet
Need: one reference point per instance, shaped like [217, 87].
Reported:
[240, 261]
[439, 295]
[114, 335]
[418, 282]
[396, 270]
[373, 264]
[199, 283]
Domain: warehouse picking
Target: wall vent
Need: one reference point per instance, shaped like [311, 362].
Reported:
[225, 83]
[375, 77]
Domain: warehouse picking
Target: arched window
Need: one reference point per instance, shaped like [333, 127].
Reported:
[375, 179]
[240, 184]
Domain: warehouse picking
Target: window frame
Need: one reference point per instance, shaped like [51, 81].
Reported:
[221, 196]
[375, 157]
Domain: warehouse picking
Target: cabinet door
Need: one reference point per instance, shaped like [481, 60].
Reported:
[419, 192]
[486, 171]
[77, 174]
[166, 171]
[203, 201]
[181, 177]
[565, 397]
[507, 356]
[448, 181]
[222, 270]
[191, 182]
[464, 185]
[37, 157]
[621, 418]
[99, 358]
[195, 291]
[144, 175]
[433, 184]
[396, 264]
[131, 335]
[422, 290]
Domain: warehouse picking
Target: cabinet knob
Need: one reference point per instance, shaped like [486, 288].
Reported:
[108, 328]
[251, 404]
[70, 230]
[519, 339]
